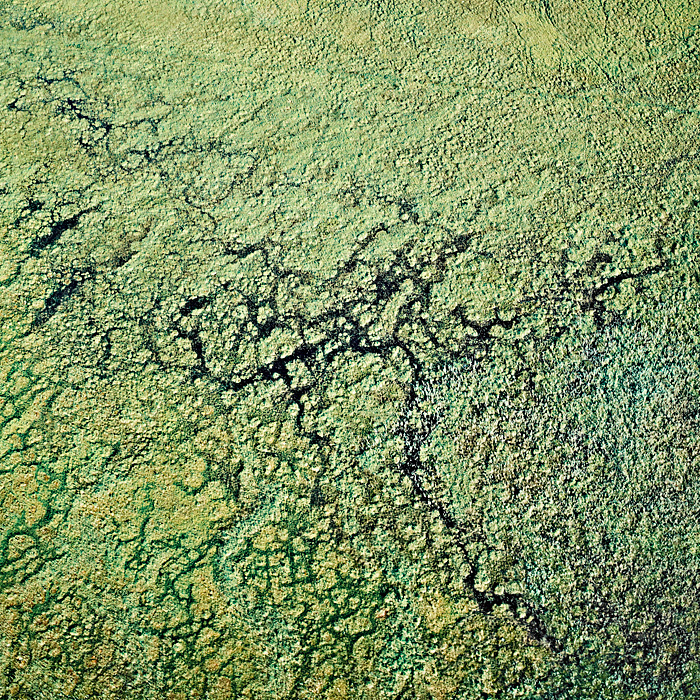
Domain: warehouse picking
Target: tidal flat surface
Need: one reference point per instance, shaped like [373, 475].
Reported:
[349, 351]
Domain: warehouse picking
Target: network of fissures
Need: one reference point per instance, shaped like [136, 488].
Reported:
[349, 351]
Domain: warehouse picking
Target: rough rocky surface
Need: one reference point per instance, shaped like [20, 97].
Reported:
[349, 351]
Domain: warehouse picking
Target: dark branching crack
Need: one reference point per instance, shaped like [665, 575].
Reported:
[338, 328]
[56, 229]
[413, 467]
[351, 337]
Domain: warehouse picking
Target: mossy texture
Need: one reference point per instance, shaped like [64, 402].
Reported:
[349, 351]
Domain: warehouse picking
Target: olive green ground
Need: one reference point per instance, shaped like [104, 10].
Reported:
[349, 351]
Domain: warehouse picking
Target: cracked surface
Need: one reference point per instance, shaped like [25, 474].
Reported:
[236, 241]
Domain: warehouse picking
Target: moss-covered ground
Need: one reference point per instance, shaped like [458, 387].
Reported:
[349, 351]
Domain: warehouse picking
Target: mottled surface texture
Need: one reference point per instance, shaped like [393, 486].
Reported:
[349, 352]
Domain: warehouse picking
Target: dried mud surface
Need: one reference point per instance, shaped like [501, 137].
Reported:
[320, 335]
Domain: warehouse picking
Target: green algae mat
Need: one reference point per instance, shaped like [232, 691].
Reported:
[349, 351]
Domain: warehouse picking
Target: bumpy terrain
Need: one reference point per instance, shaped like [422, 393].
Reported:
[349, 351]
